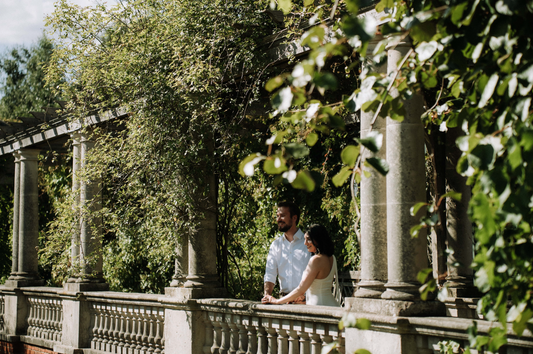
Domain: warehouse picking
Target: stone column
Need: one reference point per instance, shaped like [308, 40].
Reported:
[202, 245]
[181, 265]
[26, 220]
[458, 225]
[75, 238]
[15, 243]
[89, 245]
[202, 279]
[405, 187]
[373, 214]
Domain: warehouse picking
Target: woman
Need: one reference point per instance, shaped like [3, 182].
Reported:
[319, 274]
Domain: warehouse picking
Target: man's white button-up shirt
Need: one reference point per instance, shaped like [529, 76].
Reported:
[287, 260]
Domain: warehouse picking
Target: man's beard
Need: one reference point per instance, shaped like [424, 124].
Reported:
[284, 228]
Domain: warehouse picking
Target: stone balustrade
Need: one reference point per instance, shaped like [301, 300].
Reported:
[45, 319]
[126, 323]
[127, 328]
[249, 328]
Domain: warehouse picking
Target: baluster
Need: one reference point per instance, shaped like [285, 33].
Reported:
[95, 341]
[127, 331]
[252, 336]
[37, 322]
[118, 341]
[316, 344]
[60, 322]
[262, 340]
[138, 329]
[208, 333]
[113, 330]
[216, 319]
[145, 324]
[48, 318]
[293, 342]
[272, 341]
[41, 333]
[134, 330]
[44, 313]
[107, 319]
[283, 341]
[121, 334]
[41, 328]
[158, 336]
[55, 317]
[234, 334]
[55, 324]
[31, 317]
[243, 338]
[225, 343]
[53, 310]
[151, 331]
[304, 342]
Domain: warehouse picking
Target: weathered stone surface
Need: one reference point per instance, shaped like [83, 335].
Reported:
[395, 307]
[405, 187]
[373, 214]
[183, 295]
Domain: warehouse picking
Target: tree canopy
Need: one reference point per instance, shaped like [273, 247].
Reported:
[23, 86]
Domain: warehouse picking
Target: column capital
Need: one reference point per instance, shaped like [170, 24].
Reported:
[76, 137]
[26, 154]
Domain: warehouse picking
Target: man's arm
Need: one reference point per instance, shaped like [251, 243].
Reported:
[271, 269]
[269, 287]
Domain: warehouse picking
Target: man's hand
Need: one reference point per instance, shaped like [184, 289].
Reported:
[269, 299]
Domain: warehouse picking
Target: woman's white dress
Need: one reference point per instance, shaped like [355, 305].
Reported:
[319, 293]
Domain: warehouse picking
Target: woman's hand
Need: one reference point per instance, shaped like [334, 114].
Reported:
[269, 299]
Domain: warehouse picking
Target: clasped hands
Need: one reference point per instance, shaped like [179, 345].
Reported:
[269, 299]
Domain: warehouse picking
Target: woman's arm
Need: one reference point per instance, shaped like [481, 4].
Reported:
[310, 273]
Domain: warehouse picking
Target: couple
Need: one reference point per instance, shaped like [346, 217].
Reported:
[290, 259]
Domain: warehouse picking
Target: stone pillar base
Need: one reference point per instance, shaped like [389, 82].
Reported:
[370, 289]
[462, 307]
[464, 292]
[19, 283]
[381, 342]
[85, 286]
[184, 332]
[184, 294]
[395, 307]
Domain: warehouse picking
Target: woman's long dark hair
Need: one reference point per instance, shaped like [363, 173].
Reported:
[320, 238]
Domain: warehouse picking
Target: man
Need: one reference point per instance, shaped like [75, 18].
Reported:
[288, 255]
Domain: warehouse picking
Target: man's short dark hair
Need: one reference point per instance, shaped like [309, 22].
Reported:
[293, 209]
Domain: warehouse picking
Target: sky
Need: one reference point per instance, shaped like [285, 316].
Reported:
[22, 21]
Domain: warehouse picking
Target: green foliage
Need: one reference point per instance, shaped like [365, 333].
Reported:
[23, 87]
[187, 75]
[6, 229]
[481, 54]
